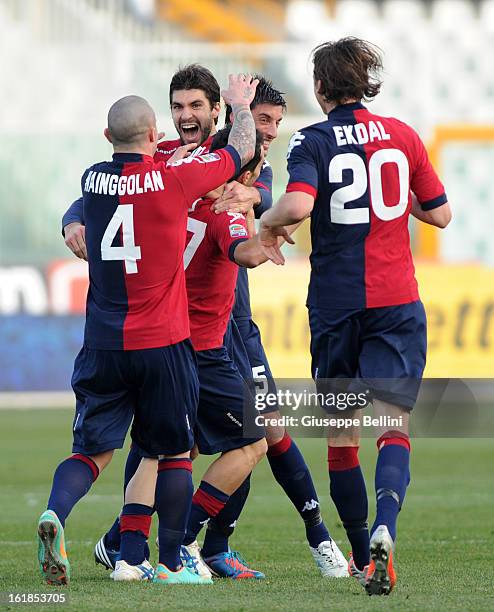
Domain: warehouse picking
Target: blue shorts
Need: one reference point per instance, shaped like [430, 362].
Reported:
[154, 389]
[246, 340]
[226, 405]
[380, 349]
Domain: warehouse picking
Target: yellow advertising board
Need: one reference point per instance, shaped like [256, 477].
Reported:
[459, 301]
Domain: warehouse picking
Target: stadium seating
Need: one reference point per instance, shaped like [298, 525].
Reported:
[74, 58]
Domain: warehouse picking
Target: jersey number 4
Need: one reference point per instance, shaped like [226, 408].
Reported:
[128, 252]
[361, 182]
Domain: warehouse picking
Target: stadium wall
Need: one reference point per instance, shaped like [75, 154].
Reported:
[42, 322]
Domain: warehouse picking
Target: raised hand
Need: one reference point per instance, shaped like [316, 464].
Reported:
[240, 93]
[241, 89]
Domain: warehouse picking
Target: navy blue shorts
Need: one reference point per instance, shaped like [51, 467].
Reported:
[226, 405]
[155, 389]
[245, 339]
[380, 349]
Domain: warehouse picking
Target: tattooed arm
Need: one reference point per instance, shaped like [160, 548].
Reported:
[239, 95]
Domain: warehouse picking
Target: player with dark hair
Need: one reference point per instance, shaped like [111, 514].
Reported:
[285, 459]
[216, 246]
[136, 341]
[198, 108]
[359, 176]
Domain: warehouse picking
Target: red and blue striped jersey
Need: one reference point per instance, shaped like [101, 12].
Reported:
[135, 212]
[361, 169]
[211, 271]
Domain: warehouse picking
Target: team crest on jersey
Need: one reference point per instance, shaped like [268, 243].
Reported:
[237, 230]
[295, 141]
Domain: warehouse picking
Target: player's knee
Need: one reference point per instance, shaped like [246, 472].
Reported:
[255, 452]
[274, 434]
[102, 459]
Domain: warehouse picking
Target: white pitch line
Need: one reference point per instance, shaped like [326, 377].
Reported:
[36, 399]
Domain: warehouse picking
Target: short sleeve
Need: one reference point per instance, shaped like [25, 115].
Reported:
[228, 229]
[200, 174]
[302, 165]
[424, 181]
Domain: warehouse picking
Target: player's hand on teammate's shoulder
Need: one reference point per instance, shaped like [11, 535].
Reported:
[241, 89]
[182, 152]
[75, 239]
[270, 243]
[236, 198]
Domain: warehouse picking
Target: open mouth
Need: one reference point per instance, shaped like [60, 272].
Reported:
[190, 131]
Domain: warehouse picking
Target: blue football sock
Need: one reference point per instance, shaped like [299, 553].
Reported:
[207, 501]
[221, 527]
[347, 488]
[72, 480]
[392, 478]
[135, 523]
[292, 474]
[174, 490]
[112, 537]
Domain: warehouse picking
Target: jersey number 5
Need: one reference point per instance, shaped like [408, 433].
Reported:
[128, 252]
[360, 183]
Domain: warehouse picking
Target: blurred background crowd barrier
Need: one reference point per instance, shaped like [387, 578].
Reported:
[62, 64]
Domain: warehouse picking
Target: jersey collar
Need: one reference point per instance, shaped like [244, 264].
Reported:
[131, 157]
[346, 108]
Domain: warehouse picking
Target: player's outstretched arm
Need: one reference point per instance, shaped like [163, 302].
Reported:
[439, 217]
[291, 208]
[251, 253]
[239, 95]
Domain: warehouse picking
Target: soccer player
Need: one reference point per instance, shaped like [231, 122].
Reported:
[216, 245]
[285, 459]
[136, 323]
[195, 104]
[355, 173]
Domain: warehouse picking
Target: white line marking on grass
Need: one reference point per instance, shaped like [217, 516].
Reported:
[36, 399]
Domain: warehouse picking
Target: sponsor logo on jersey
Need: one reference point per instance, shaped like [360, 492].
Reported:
[295, 141]
[237, 230]
[202, 159]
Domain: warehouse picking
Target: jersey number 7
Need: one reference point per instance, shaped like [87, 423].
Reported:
[361, 182]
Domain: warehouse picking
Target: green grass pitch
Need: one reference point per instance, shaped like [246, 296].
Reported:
[444, 556]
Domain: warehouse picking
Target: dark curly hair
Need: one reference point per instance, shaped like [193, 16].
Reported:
[347, 68]
[195, 76]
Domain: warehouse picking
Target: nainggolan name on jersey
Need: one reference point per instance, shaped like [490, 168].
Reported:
[360, 133]
[111, 184]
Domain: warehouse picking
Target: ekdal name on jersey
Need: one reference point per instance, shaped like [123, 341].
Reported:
[111, 184]
[360, 133]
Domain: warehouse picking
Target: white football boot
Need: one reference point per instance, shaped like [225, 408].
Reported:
[330, 560]
[192, 559]
[124, 571]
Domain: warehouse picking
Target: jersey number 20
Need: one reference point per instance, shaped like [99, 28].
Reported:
[360, 183]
